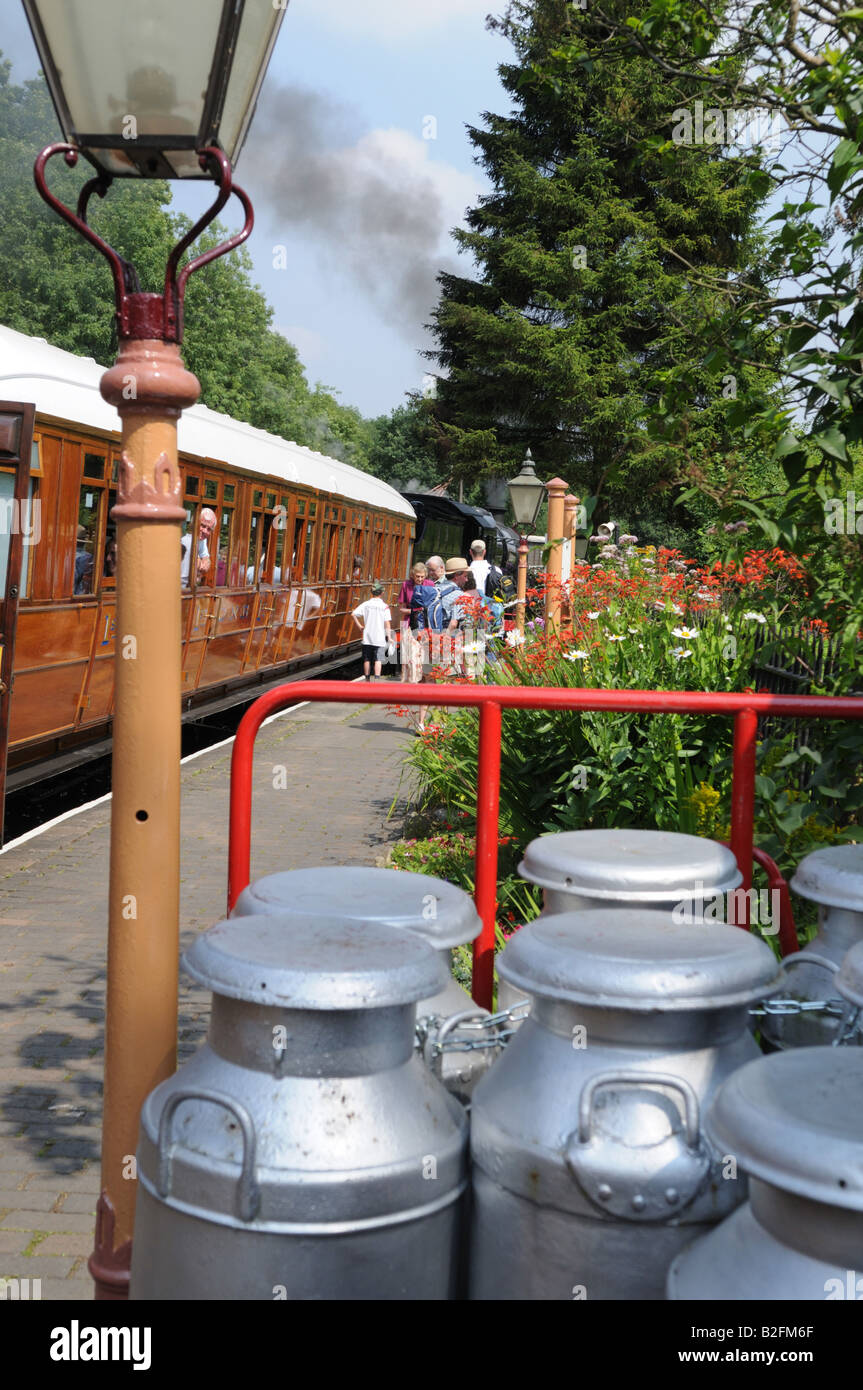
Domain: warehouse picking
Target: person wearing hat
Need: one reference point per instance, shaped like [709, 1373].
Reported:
[374, 621]
[457, 571]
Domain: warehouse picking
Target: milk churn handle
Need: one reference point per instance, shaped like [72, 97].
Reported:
[248, 1191]
[433, 1049]
[638, 1078]
[808, 958]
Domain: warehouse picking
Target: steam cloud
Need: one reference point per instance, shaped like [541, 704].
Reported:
[375, 206]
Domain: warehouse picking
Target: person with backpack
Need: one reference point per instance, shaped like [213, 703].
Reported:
[500, 590]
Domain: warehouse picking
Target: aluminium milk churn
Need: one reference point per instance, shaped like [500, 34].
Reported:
[849, 984]
[304, 1152]
[591, 1169]
[794, 1122]
[452, 1031]
[582, 869]
[832, 878]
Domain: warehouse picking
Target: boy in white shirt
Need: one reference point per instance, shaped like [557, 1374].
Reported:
[375, 623]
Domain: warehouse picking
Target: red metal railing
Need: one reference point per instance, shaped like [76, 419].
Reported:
[491, 700]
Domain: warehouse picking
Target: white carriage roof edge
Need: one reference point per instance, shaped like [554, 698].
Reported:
[66, 386]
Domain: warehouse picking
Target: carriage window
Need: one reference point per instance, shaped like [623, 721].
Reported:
[296, 557]
[229, 491]
[7, 509]
[224, 548]
[27, 556]
[271, 500]
[94, 465]
[109, 554]
[257, 498]
[265, 567]
[87, 539]
[307, 562]
[35, 460]
[254, 543]
[278, 577]
[192, 484]
[211, 489]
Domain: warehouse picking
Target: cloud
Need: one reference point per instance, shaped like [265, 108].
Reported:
[394, 19]
[376, 206]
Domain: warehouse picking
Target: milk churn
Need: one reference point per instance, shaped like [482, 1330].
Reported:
[582, 869]
[832, 878]
[794, 1122]
[304, 1152]
[849, 984]
[452, 1031]
[591, 1168]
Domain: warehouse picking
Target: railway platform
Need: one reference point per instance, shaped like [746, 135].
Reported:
[325, 779]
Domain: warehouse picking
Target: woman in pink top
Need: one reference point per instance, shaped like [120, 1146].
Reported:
[411, 649]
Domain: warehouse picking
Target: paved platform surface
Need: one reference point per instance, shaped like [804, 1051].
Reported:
[331, 805]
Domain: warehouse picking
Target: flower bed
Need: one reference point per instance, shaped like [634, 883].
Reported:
[650, 619]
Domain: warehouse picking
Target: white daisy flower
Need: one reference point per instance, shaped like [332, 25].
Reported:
[686, 632]
[594, 615]
[632, 629]
[575, 656]
[515, 638]
[612, 638]
[755, 617]
[680, 653]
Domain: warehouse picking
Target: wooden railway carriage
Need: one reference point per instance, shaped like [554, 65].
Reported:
[298, 539]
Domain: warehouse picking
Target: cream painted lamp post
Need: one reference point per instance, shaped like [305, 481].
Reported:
[556, 510]
[526, 495]
[147, 89]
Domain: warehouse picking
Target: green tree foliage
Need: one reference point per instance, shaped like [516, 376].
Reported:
[587, 285]
[56, 286]
[402, 447]
[797, 69]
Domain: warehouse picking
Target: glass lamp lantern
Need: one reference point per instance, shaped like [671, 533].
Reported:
[526, 495]
[140, 85]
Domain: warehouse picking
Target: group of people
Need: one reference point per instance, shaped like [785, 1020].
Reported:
[450, 613]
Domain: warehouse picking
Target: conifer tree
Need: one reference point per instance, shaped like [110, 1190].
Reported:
[587, 284]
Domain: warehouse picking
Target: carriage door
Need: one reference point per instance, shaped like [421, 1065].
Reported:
[17, 529]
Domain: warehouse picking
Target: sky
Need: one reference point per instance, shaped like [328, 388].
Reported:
[358, 165]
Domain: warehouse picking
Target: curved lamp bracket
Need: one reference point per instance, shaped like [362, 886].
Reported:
[142, 315]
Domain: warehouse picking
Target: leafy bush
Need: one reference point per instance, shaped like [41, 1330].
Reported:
[652, 620]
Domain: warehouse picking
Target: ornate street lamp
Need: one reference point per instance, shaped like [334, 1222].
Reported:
[526, 495]
[161, 89]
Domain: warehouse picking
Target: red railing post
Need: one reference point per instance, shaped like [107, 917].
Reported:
[487, 806]
[743, 797]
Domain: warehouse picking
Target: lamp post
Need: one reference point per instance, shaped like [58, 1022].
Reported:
[556, 494]
[526, 493]
[155, 90]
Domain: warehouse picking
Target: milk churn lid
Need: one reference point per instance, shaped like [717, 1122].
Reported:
[795, 1120]
[638, 865]
[849, 980]
[639, 959]
[319, 963]
[436, 910]
[832, 876]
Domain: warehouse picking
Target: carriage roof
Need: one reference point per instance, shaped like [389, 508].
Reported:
[65, 386]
